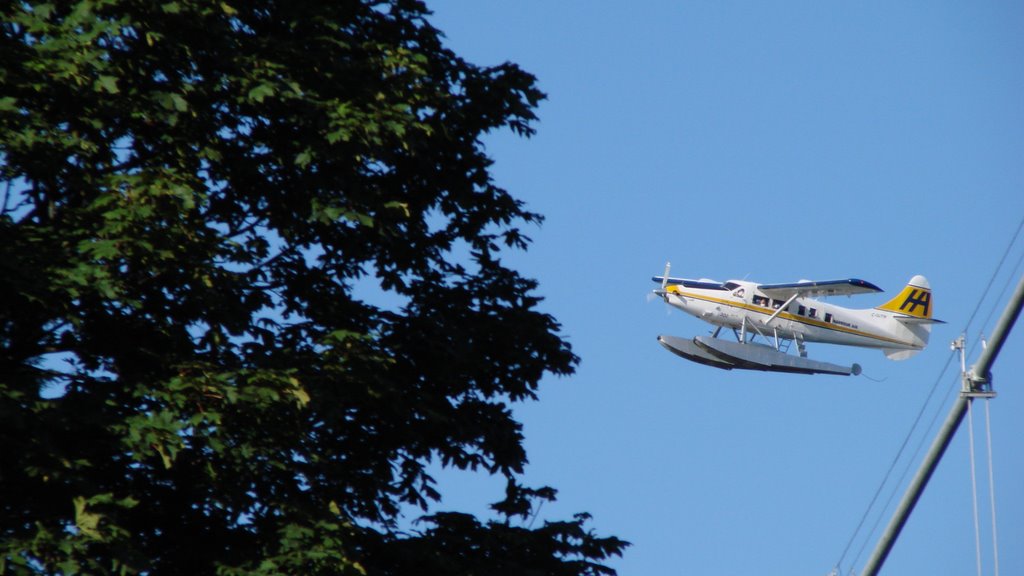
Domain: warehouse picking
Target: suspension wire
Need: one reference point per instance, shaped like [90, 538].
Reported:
[988, 432]
[992, 490]
[928, 399]
[892, 466]
[1006, 285]
[995, 273]
[974, 484]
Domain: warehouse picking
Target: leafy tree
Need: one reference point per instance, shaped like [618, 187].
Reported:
[251, 289]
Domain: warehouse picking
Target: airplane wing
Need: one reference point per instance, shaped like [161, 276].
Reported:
[687, 283]
[847, 287]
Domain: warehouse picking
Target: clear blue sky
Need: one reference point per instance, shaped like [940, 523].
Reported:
[775, 142]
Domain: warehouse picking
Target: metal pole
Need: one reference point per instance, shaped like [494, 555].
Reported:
[916, 488]
[979, 376]
[980, 371]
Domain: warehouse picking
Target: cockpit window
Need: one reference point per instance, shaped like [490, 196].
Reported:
[731, 285]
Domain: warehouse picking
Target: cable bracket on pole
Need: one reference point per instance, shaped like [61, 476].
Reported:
[974, 385]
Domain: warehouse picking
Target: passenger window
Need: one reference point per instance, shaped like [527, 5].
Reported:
[828, 317]
[801, 310]
[814, 313]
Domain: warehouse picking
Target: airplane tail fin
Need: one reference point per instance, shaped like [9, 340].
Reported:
[913, 302]
[912, 308]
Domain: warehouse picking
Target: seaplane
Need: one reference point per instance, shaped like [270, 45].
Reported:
[781, 314]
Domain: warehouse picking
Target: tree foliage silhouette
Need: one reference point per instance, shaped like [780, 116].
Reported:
[252, 289]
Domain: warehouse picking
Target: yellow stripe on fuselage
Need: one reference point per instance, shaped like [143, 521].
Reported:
[786, 316]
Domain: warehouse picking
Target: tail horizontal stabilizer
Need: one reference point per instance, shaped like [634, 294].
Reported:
[916, 320]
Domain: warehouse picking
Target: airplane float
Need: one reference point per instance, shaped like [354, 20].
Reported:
[785, 313]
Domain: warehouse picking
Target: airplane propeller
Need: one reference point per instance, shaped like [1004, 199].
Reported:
[660, 293]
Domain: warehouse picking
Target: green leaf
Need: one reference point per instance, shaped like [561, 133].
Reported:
[403, 206]
[173, 101]
[106, 83]
[86, 522]
[100, 249]
[44, 10]
[164, 456]
[301, 396]
[260, 92]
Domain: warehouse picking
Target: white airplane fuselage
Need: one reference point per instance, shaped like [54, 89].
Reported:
[740, 305]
